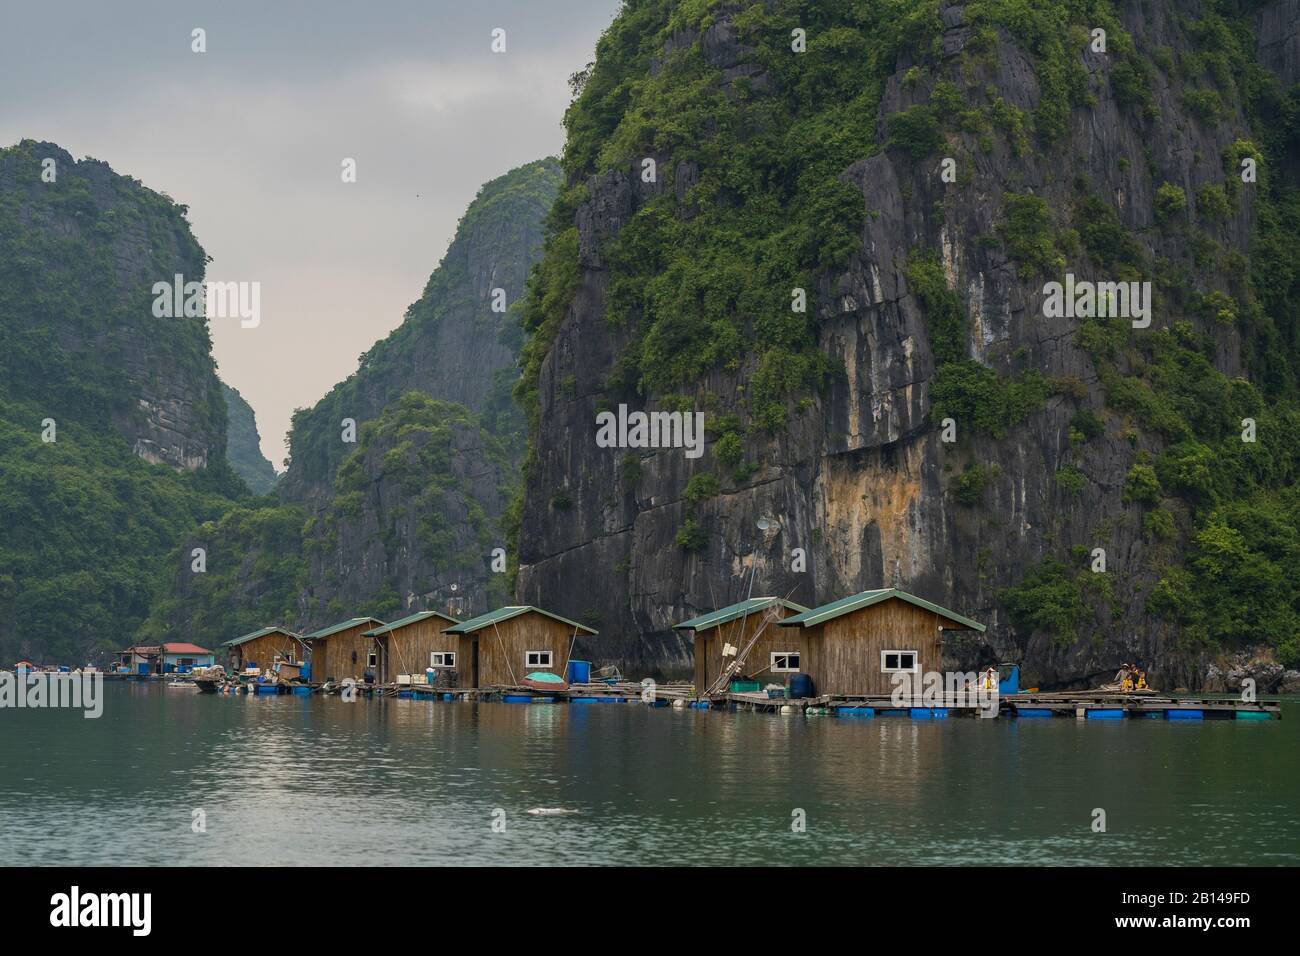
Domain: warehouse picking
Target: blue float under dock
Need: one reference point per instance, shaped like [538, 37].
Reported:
[928, 713]
[1105, 713]
[1185, 714]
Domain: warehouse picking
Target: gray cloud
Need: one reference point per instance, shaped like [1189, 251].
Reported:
[251, 134]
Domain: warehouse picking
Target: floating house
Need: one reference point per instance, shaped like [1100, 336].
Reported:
[265, 648]
[171, 657]
[342, 650]
[855, 645]
[410, 647]
[746, 633]
[499, 648]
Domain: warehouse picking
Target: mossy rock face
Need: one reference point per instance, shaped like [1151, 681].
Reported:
[824, 171]
[112, 420]
[454, 344]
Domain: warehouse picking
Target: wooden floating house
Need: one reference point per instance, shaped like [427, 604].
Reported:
[171, 657]
[265, 648]
[408, 649]
[499, 648]
[855, 645]
[740, 642]
[343, 650]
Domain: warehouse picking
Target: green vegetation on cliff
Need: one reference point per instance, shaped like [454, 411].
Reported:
[422, 464]
[86, 524]
[1221, 494]
[495, 227]
[243, 449]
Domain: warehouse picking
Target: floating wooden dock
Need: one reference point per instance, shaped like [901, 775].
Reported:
[1084, 705]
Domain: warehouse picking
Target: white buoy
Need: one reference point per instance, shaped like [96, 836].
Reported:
[679, 704]
[786, 710]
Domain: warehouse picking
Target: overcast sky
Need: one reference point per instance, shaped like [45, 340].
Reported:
[251, 134]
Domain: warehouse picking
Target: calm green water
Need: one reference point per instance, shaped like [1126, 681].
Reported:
[315, 780]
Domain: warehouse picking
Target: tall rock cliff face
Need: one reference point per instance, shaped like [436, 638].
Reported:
[243, 444]
[112, 424]
[83, 248]
[453, 345]
[409, 516]
[414, 519]
[1068, 436]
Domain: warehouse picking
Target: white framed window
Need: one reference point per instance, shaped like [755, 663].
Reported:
[785, 662]
[895, 662]
[442, 659]
[372, 660]
[537, 658]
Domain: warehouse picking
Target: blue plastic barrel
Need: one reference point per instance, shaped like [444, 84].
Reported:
[801, 686]
[1105, 713]
[579, 672]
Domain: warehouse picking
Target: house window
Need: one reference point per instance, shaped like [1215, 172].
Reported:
[442, 659]
[785, 662]
[537, 658]
[892, 662]
[372, 660]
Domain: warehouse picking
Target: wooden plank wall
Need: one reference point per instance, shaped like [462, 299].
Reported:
[331, 657]
[502, 648]
[407, 649]
[262, 651]
[708, 648]
[843, 655]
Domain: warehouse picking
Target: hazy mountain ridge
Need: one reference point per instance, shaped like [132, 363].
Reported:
[408, 516]
[243, 444]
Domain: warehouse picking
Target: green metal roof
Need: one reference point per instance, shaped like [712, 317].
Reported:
[505, 614]
[335, 628]
[236, 641]
[734, 611]
[410, 619]
[857, 602]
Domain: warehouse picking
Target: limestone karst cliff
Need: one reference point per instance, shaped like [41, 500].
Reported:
[409, 516]
[112, 423]
[921, 171]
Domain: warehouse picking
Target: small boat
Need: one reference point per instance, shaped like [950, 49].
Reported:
[545, 681]
[210, 680]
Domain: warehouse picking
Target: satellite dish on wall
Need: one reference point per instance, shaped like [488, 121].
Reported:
[763, 524]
